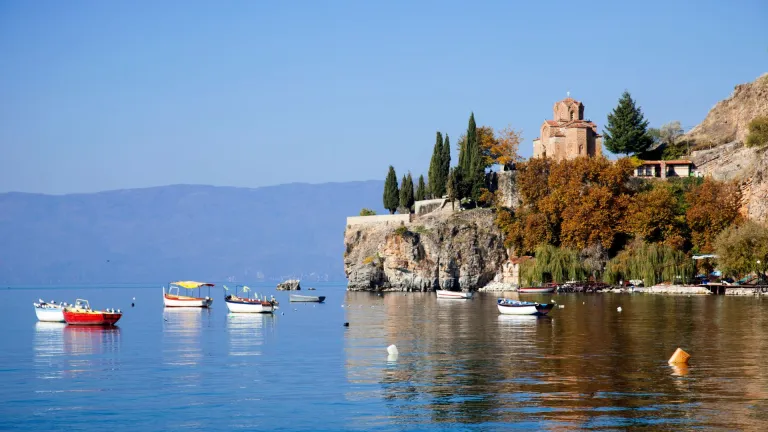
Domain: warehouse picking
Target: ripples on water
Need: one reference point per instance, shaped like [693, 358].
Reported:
[461, 365]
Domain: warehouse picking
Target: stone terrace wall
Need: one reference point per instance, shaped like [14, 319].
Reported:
[378, 219]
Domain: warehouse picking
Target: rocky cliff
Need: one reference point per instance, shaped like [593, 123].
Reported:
[458, 251]
[727, 121]
[725, 158]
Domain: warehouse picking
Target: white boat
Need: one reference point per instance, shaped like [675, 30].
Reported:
[454, 294]
[306, 298]
[173, 297]
[516, 307]
[237, 304]
[49, 311]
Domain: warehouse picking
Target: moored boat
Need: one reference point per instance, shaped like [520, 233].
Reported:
[516, 307]
[306, 298]
[173, 297]
[454, 294]
[82, 314]
[548, 288]
[237, 304]
[49, 311]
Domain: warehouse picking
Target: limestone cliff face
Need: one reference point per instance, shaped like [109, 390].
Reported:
[458, 251]
[728, 120]
[725, 130]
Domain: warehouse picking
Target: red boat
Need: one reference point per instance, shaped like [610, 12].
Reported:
[82, 314]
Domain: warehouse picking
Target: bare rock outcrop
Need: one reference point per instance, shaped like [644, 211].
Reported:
[456, 251]
[727, 121]
[289, 285]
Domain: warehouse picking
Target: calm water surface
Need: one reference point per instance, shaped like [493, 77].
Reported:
[461, 365]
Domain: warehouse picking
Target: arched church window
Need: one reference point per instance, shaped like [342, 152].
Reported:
[571, 115]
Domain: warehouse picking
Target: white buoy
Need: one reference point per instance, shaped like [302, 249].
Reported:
[392, 350]
[618, 308]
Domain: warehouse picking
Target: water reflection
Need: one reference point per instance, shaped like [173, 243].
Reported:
[182, 329]
[48, 347]
[583, 366]
[246, 333]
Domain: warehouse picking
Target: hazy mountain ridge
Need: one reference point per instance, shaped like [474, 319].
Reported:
[179, 232]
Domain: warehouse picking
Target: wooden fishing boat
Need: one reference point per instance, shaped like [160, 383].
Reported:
[454, 294]
[49, 311]
[82, 314]
[516, 307]
[237, 304]
[306, 298]
[173, 297]
[548, 288]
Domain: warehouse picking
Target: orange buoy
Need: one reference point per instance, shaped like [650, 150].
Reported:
[679, 357]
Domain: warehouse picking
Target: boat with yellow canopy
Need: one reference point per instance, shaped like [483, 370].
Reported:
[173, 297]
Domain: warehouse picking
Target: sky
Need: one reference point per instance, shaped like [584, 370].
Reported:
[101, 95]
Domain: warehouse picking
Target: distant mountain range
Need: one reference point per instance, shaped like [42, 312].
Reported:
[180, 232]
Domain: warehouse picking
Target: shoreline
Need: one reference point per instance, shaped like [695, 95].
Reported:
[501, 287]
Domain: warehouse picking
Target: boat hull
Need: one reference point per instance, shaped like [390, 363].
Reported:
[248, 307]
[535, 309]
[170, 300]
[303, 298]
[50, 314]
[94, 318]
[454, 294]
[536, 290]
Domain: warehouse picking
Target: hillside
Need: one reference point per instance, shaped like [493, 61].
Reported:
[727, 121]
[722, 154]
[179, 232]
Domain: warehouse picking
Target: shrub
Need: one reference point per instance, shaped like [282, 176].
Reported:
[758, 132]
[401, 230]
[367, 212]
[368, 259]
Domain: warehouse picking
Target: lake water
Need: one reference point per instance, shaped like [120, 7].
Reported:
[461, 366]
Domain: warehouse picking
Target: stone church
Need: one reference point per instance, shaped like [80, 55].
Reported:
[568, 135]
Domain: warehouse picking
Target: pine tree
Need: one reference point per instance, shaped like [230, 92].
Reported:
[627, 130]
[421, 189]
[437, 186]
[391, 192]
[445, 168]
[406, 194]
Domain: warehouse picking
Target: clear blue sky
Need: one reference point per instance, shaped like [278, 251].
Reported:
[100, 95]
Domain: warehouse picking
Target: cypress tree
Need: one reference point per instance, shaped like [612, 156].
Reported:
[391, 192]
[437, 187]
[453, 185]
[627, 130]
[406, 193]
[467, 151]
[445, 168]
[421, 189]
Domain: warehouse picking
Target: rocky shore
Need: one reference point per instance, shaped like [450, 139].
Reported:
[447, 250]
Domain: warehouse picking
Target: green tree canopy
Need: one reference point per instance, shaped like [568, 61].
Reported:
[445, 168]
[421, 189]
[758, 132]
[739, 248]
[627, 129]
[406, 194]
[391, 192]
[435, 174]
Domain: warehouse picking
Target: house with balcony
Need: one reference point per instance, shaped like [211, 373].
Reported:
[663, 169]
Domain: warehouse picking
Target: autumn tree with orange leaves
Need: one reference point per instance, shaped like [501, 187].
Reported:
[713, 207]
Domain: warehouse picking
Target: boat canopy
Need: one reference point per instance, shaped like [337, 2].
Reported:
[192, 284]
